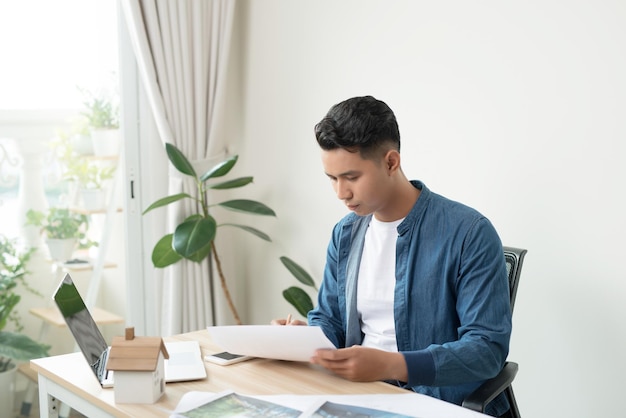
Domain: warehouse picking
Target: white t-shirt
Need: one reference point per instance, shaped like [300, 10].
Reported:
[375, 288]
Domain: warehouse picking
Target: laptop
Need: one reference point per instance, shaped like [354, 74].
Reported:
[185, 362]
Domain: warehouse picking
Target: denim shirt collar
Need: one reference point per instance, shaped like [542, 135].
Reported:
[418, 208]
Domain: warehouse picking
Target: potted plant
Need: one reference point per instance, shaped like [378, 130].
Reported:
[194, 238]
[14, 346]
[90, 177]
[76, 139]
[102, 114]
[63, 230]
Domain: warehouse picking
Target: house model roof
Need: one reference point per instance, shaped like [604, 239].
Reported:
[130, 353]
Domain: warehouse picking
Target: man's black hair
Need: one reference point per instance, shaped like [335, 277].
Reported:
[362, 124]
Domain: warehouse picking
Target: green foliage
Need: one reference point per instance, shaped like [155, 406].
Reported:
[193, 237]
[61, 223]
[100, 111]
[19, 347]
[90, 174]
[296, 296]
[13, 345]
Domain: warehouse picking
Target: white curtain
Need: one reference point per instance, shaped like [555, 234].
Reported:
[181, 48]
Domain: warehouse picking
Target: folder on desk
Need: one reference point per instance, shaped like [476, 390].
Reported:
[293, 342]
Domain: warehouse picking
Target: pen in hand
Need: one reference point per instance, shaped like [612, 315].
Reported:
[288, 320]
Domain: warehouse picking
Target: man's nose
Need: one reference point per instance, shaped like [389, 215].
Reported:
[343, 191]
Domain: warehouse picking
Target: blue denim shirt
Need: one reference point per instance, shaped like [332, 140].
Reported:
[451, 302]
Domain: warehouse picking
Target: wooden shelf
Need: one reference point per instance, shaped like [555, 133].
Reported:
[101, 157]
[53, 316]
[83, 211]
[87, 265]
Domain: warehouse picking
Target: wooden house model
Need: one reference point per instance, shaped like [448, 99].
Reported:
[139, 366]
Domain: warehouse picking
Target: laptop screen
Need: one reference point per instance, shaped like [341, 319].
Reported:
[82, 326]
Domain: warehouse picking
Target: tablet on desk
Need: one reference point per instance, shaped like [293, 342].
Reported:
[294, 343]
[225, 358]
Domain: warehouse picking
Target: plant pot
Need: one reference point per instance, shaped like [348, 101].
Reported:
[7, 392]
[61, 249]
[106, 142]
[82, 144]
[93, 199]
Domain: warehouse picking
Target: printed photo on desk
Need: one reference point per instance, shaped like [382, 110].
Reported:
[225, 405]
[336, 410]
[230, 405]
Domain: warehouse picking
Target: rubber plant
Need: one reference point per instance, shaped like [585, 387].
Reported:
[296, 296]
[194, 238]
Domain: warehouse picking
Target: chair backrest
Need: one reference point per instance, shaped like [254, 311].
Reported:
[514, 259]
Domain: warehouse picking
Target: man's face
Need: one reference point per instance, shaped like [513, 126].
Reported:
[363, 185]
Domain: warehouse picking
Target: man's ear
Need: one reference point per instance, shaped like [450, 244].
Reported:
[392, 160]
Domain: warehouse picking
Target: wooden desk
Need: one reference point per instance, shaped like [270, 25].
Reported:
[67, 378]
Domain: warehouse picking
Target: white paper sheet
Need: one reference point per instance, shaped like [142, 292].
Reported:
[295, 343]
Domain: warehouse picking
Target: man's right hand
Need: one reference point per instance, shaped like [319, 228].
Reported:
[287, 322]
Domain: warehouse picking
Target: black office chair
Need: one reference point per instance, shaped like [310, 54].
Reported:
[487, 392]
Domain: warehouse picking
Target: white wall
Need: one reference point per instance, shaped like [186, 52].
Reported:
[515, 108]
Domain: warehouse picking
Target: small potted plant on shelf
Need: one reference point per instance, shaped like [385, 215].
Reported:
[77, 138]
[91, 177]
[63, 230]
[102, 114]
[14, 346]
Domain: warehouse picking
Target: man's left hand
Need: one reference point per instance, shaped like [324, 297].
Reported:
[362, 364]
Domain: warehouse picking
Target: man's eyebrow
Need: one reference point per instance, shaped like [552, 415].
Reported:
[350, 173]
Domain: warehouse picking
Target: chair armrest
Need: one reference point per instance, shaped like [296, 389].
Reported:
[491, 388]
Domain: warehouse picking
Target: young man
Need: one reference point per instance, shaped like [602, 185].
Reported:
[415, 288]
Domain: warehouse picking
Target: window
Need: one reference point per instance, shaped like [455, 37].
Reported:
[50, 49]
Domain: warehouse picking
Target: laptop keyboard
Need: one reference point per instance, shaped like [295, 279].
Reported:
[100, 366]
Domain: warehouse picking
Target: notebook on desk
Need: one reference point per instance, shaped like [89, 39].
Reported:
[185, 362]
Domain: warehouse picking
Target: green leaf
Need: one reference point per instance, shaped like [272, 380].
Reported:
[178, 160]
[194, 217]
[192, 236]
[220, 169]
[231, 184]
[166, 201]
[163, 253]
[299, 299]
[298, 272]
[251, 230]
[200, 255]
[20, 347]
[34, 217]
[8, 301]
[248, 206]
